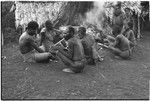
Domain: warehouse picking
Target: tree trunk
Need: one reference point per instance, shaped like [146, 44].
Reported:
[135, 25]
[139, 33]
[2, 39]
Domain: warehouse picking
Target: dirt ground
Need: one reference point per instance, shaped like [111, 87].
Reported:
[111, 79]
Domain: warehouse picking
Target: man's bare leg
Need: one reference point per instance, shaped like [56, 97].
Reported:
[42, 57]
[115, 50]
[73, 67]
[64, 59]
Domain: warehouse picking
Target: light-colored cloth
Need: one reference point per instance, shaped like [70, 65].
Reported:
[30, 56]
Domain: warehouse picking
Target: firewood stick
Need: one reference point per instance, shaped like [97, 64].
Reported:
[103, 45]
[59, 42]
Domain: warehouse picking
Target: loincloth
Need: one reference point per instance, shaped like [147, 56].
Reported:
[78, 66]
[79, 63]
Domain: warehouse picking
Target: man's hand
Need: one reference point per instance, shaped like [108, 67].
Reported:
[102, 45]
[55, 48]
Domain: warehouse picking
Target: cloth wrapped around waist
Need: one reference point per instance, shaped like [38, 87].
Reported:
[30, 56]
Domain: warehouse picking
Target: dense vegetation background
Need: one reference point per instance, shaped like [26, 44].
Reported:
[70, 15]
[11, 33]
[8, 23]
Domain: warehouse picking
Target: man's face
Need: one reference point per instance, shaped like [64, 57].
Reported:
[80, 34]
[127, 11]
[117, 11]
[117, 8]
[48, 26]
[33, 32]
[68, 36]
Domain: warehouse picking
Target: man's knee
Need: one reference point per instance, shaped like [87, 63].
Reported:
[125, 54]
[78, 66]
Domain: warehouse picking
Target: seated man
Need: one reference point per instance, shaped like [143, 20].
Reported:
[129, 34]
[28, 48]
[74, 56]
[120, 46]
[88, 43]
[47, 35]
[123, 44]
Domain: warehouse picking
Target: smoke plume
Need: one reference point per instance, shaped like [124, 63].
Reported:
[95, 15]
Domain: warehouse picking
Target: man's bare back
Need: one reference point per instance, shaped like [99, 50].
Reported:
[122, 43]
[25, 43]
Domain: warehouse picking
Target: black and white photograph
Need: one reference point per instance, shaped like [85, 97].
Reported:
[75, 50]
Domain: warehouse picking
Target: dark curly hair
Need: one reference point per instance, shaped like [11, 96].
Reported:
[71, 32]
[82, 29]
[48, 24]
[32, 25]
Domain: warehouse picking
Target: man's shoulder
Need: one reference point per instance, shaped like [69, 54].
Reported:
[119, 36]
[72, 40]
[23, 36]
[131, 31]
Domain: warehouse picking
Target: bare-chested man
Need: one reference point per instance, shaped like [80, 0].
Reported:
[88, 43]
[120, 46]
[117, 22]
[127, 16]
[129, 34]
[47, 36]
[28, 47]
[74, 56]
[123, 44]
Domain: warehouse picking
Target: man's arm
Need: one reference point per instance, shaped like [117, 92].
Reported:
[70, 51]
[43, 31]
[133, 39]
[50, 38]
[42, 37]
[117, 40]
[32, 43]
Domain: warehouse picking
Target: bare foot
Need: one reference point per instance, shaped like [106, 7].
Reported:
[68, 70]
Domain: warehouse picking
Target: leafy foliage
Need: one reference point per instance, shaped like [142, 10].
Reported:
[60, 13]
[8, 23]
[8, 19]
